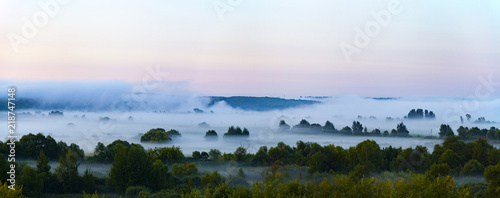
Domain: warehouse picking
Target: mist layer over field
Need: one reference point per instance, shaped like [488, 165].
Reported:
[86, 128]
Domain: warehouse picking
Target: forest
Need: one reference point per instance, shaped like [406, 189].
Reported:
[306, 169]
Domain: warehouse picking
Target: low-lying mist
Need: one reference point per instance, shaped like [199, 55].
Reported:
[87, 128]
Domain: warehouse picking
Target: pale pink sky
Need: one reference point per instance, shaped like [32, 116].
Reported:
[261, 47]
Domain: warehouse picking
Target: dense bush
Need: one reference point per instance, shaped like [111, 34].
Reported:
[210, 133]
[237, 131]
[156, 135]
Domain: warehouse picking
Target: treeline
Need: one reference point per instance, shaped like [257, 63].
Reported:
[421, 114]
[355, 129]
[466, 133]
[29, 147]
[136, 171]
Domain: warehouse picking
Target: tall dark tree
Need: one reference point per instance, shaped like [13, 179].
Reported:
[357, 128]
[283, 125]
[329, 127]
[443, 129]
[31, 182]
[402, 130]
[42, 165]
[67, 172]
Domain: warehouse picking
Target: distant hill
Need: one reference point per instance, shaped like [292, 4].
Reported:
[20, 103]
[260, 103]
[242, 102]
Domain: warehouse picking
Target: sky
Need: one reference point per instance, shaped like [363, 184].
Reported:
[255, 47]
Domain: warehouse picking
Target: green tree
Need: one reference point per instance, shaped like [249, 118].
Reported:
[156, 135]
[240, 154]
[329, 127]
[437, 170]
[210, 133]
[8, 193]
[283, 126]
[402, 130]
[88, 180]
[212, 180]
[138, 165]
[450, 158]
[481, 150]
[261, 157]
[473, 167]
[159, 178]
[101, 152]
[214, 154]
[119, 171]
[492, 176]
[32, 184]
[462, 132]
[196, 155]
[42, 165]
[4, 167]
[67, 172]
[357, 128]
[443, 129]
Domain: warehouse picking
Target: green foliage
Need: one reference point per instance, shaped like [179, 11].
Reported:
[67, 172]
[443, 130]
[130, 168]
[359, 172]
[133, 191]
[357, 128]
[155, 135]
[237, 131]
[29, 146]
[450, 158]
[204, 155]
[240, 154]
[492, 176]
[346, 130]
[261, 157]
[95, 195]
[210, 133]
[173, 132]
[343, 186]
[100, 152]
[476, 189]
[4, 167]
[160, 178]
[437, 170]
[475, 132]
[480, 151]
[7, 193]
[212, 180]
[196, 155]
[260, 103]
[167, 154]
[106, 153]
[42, 165]
[32, 183]
[185, 169]
[472, 167]
[88, 180]
[369, 155]
[417, 159]
[214, 154]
